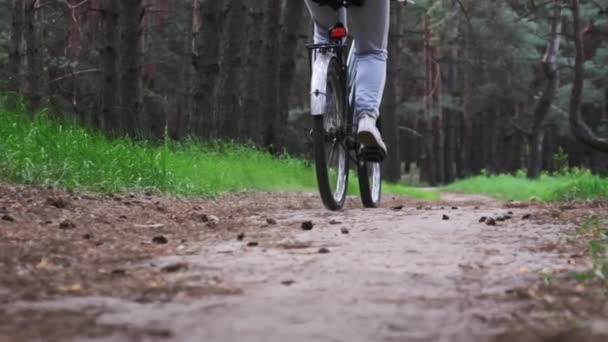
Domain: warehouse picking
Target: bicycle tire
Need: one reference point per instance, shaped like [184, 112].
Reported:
[370, 181]
[329, 133]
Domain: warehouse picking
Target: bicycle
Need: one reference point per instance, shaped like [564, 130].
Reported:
[334, 131]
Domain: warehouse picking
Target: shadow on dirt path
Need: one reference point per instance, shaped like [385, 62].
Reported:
[278, 267]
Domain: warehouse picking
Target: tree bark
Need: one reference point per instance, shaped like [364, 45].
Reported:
[15, 53]
[131, 67]
[33, 55]
[543, 105]
[109, 66]
[293, 17]
[228, 91]
[271, 76]
[580, 129]
[207, 66]
[253, 130]
[390, 117]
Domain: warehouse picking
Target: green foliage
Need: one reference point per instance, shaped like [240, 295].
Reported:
[566, 185]
[596, 230]
[43, 151]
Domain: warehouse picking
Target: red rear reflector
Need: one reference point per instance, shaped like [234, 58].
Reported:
[338, 33]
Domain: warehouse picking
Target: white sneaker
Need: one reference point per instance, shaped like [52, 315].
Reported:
[369, 136]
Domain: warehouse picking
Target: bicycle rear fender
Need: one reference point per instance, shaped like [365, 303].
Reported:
[318, 84]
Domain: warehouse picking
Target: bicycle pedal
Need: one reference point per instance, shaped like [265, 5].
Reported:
[372, 154]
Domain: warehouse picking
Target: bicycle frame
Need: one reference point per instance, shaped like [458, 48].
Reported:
[323, 60]
[320, 56]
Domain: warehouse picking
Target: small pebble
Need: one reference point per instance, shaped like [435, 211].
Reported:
[240, 237]
[323, 250]
[483, 219]
[253, 244]
[344, 230]
[67, 224]
[7, 217]
[271, 221]
[445, 217]
[307, 225]
[491, 222]
[177, 267]
[160, 240]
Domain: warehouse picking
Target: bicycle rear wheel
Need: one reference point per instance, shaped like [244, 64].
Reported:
[329, 135]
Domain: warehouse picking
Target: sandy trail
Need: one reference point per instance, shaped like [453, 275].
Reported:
[359, 275]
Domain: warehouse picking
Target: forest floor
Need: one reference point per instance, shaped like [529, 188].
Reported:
[278, 267]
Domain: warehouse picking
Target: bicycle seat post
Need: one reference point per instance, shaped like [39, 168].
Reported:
[342, 15]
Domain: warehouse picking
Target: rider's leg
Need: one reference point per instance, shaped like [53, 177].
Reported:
[370, 26]
[324, 18]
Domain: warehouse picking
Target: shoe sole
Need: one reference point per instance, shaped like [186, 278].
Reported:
[370, 151]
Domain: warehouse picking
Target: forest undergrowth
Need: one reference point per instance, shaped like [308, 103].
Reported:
[565, 185]
[43, 151]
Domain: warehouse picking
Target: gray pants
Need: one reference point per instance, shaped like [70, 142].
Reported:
[369, 25]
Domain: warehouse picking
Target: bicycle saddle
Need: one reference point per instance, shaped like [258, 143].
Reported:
[335, 4]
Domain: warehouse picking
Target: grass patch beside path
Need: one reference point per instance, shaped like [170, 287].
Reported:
[569, 185]
[45, 152]
[595, 230]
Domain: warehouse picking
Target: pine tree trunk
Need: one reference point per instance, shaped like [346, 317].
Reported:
[178, 123]
[15, 53]
[293, 17]
[389, 117]
[110, 120]
[207, 66]
[270, 76]
[251, 90]
[228, 95]
[131, 67]
[545, 101]
[34, 55]
[580, 129]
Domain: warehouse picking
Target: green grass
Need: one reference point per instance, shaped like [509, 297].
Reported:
[45, 152]
[568, 185]
[595, 231]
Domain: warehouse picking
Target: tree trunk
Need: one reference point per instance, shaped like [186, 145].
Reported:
[109, 62]
[33, 55]
[543, 106]
[228, 95]
[580, 129]
[15, 53]
[253, 130]
[270, 76]
[293, 17]
[183, 109]
[466, 149]
[389, 117]
[207, 66]
[131, 67]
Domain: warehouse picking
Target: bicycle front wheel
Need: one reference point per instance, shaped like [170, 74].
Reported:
[370, 183]
[329, 135]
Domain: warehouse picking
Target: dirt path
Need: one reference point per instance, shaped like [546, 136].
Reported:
[244, 269]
